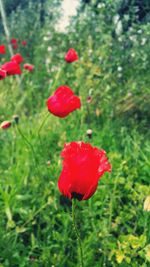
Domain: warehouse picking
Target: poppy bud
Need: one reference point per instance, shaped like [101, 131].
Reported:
[89, 99]
[16, 119]
[5, 124]
[89, 133]
[48, 163]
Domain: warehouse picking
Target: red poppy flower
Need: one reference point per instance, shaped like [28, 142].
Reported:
[13, 41]
[2, 49]
[2, 74]
[14, 46]
[24, 43]
[5, 124]
[17, 58]
[11, 68]
[63, 102]
[83, 166]
[28, 67]
[71, 55]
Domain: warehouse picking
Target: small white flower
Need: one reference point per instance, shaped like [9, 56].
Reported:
[118, 29]
[45, 38]
[49, 49]
[101, 5]
[133, 54]
[47, 61]
[139, 31]
[133, 38]
[120, 39]
[119, 68]
[116, 19]
[143, 41]
[119, 75]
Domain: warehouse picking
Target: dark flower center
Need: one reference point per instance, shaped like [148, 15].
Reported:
[77, 195]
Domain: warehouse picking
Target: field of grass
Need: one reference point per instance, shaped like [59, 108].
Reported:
[36, 227]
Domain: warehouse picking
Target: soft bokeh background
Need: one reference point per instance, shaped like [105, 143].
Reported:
[112, 41]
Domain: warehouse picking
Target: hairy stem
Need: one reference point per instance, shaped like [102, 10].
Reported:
[77, 232]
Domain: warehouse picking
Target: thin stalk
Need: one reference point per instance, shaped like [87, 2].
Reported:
[42, 124]
[4, 21]
[58, 75]
[35, 214]
[77, 232]
[30, 145]
[7, 33]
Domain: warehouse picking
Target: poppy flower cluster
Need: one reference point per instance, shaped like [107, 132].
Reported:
[11, 68]
[28, 67]
[83, 165]
[15, 43]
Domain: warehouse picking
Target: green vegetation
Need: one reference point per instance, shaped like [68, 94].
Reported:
[113, 68]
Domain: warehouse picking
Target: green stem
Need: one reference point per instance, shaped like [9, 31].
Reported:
[42, 124]
[29, 144]
[35, 214]
[77, 232]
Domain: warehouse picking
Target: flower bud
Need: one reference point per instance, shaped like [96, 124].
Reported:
[16, 119]
[89, 133]
[89, 99]
[5, 124]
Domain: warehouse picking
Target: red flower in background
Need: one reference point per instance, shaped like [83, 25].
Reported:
[2, 74]
[14, 46]
[2, 49]
[13, 41]
[63, 102]
[89, 99]
[17, 58]
[28, 67]
[83, 166]
[5, 124]
[71, 55]
[24, 43]
[11, 68]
